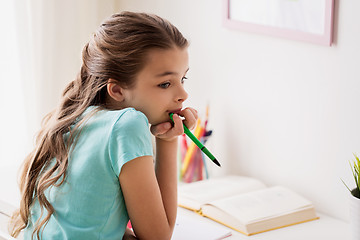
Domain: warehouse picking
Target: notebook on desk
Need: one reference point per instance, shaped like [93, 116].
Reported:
[187, 227]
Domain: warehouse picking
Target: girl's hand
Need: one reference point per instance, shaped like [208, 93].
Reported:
[168, 131]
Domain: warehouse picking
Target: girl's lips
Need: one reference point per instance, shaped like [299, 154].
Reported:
[176, 111]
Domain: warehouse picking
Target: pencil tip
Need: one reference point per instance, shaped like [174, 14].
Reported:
[216, 162]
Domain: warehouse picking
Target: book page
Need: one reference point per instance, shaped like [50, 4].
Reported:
[262, 204]
[217, 188]
[187, 227]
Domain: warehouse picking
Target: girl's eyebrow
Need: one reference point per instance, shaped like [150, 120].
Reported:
[166, 74]
[169, 73]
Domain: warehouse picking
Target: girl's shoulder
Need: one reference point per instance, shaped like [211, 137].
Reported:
[127, 117]
[131, 120]
[130, 115]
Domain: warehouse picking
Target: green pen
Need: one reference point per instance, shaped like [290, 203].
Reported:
[197, 142]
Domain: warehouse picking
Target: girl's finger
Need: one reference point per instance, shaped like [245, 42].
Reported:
[190, 116]
[178, 128]
[160, 129]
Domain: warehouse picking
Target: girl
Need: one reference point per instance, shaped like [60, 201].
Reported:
[92, 168]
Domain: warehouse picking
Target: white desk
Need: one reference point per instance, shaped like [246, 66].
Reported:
[324, 228]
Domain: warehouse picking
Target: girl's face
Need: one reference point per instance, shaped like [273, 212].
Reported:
[159, 86]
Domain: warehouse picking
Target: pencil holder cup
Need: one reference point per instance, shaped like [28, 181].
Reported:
[354, 215]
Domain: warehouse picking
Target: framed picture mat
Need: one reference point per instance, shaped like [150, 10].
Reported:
[318, 27]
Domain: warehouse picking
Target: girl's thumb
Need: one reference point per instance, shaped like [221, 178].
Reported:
[160, 128]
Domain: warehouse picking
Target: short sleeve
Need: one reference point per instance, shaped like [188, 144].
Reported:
[130, 138]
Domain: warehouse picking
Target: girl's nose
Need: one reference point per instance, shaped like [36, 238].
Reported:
[182, 96]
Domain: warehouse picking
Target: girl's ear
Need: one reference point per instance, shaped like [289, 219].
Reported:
[115, 91]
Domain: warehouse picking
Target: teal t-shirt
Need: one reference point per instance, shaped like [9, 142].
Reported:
[89, 204]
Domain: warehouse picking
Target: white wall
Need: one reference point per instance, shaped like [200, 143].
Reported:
[51, 35]
[284, 111]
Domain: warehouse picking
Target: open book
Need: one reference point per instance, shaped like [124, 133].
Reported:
[246, 204]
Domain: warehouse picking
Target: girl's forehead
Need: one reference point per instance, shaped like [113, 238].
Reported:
[160, 61]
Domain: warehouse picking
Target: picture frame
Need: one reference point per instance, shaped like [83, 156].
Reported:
[303, 20]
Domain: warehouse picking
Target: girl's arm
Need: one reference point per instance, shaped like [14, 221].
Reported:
[151, 196]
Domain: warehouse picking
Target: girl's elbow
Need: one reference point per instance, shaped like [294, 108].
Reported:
[164, 234]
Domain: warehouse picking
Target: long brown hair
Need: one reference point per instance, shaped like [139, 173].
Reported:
[117, 50]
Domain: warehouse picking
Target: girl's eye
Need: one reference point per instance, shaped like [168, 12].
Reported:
[183, 79]
[164, 85]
